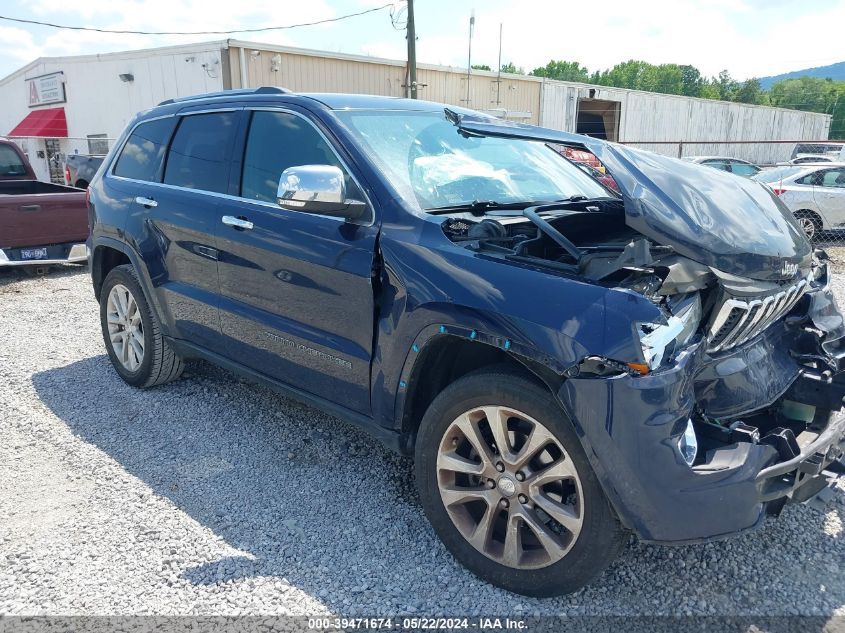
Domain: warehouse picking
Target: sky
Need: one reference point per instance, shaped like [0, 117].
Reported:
[749, 38]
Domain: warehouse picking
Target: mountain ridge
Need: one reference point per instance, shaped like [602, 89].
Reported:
[833, 71]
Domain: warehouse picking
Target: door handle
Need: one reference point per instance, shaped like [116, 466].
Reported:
[238, 223]
[146, 202]
[30, 208]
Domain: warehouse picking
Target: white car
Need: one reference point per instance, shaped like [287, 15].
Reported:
[815, 195]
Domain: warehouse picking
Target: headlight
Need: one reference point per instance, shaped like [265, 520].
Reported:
[660, 340]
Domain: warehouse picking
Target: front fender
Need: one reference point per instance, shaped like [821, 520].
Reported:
[544, 316]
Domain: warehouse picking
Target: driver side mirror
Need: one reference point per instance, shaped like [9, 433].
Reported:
[318, 189]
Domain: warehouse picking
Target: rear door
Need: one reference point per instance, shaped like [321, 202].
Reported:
[174, 216]
[296, 289]
[829, 193]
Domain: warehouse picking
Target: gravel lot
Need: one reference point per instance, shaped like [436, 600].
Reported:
[215, 496]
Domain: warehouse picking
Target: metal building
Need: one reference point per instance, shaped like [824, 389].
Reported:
[59, 105]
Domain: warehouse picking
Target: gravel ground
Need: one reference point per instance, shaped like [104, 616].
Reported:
[215, 496]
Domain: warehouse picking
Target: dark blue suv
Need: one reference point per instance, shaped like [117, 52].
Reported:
[566, 365]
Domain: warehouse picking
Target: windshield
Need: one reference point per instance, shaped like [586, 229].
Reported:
[422, 153]
[10, 162]
[777, 173]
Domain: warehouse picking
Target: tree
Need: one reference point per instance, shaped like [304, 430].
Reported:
[750, 91]
[480, 67]
[691, 81]
[562, 71]
[510, 68]
[726, 86]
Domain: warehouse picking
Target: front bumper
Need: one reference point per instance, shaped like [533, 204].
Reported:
[630, 428]
[71, 253]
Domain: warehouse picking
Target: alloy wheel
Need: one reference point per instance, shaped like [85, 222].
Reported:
[126, 330]
[509, 487]
[808, 226]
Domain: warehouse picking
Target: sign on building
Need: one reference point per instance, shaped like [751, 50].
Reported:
[47, 89]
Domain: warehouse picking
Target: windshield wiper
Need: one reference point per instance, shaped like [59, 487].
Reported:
[479, 206]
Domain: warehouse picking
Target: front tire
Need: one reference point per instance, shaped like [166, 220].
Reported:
[132, 334]
[507, 487]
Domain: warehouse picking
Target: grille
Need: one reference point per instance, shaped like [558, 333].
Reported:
[740, 320]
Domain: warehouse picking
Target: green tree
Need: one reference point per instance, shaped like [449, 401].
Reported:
[562, 70]
[726, 86]
[692, 82]
[750, 91]
[480, 67]
[510, 68]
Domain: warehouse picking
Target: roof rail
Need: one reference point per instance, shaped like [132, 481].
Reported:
[263, 90]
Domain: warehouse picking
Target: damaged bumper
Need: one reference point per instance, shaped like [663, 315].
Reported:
[767, 416]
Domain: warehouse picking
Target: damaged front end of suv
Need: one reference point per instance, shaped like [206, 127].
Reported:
[731, 407]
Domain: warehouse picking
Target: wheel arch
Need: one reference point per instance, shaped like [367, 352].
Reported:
[107, 253]
[438, 359]
[812, 213]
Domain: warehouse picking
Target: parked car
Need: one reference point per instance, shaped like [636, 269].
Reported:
[731, 165]
[833, 151]
[80, 169]
[40, 223]
[809, 159]
[815, 195]
[564, 366]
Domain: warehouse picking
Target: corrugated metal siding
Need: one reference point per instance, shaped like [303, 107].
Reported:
[654, 117]
[310, 73]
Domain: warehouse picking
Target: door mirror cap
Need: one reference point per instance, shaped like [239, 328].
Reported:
[318, 189]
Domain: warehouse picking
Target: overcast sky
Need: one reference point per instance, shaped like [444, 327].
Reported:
[748, 37]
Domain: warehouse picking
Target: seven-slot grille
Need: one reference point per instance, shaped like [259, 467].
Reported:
[740, 320]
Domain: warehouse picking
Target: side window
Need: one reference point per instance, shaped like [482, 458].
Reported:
[276, 141]
[809, 179]
[199, 154]
[834, 178]
[142, 155]
[743, 169]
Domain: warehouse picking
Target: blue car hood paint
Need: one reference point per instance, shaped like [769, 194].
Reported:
[718, 219]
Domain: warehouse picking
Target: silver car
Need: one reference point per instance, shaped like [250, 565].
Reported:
[815, 194]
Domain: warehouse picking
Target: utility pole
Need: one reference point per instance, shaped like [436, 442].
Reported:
[499, 71]
[412, 51]
[469, 55]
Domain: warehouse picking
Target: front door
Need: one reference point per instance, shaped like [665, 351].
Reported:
[296, 289]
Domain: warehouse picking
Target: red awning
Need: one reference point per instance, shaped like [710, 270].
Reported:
[50, 123]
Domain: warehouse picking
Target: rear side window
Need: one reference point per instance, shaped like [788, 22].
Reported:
[142, 155]
[199, 154]
[276, 141]
[10, 163]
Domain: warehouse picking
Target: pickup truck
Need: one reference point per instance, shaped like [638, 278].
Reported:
[565, 366]
[80, 169]
[41, 223]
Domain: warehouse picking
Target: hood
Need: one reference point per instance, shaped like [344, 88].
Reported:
[721, 220]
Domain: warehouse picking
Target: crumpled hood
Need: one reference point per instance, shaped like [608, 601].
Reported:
[728, 222]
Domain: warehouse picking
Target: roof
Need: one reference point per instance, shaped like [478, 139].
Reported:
[340, 101]
[48, 123]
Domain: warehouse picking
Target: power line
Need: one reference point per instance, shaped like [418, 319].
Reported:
[231, 32]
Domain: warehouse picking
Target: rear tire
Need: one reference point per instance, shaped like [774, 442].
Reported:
[544, 529]
[810, 223]
[132, 334]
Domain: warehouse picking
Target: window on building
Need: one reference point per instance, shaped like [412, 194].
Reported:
[199, 154]
[142, 155]
[276, 141]
[98, 144]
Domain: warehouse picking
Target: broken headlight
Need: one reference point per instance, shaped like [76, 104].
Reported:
[660, 341]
